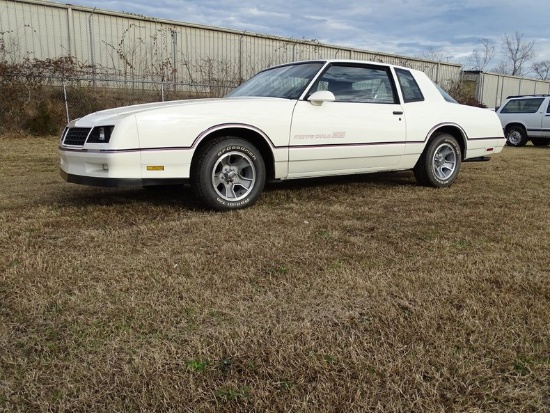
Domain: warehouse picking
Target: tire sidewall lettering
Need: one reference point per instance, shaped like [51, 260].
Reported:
[242, 149]
[232, 205]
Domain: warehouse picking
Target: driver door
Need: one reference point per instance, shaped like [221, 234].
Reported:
[362, 130]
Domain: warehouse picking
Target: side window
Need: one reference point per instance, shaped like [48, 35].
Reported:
[548, 108]
[410, 89]
[360, 84]
[522, 105]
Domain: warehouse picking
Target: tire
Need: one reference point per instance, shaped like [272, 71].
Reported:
[228, 173]
[439, 164]
[516, 136]
[540, 141]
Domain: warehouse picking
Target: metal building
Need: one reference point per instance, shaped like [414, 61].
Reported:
[491, 89]
[127, 46]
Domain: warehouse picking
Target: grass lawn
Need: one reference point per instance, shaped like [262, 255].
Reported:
[352, 294]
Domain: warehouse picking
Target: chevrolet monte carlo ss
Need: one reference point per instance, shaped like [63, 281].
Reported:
[298, 120]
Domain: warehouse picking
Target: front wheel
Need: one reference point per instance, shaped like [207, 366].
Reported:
[228, 173]
[439, 164]
[516, 136]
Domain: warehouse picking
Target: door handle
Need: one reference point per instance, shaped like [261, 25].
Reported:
[397, 112]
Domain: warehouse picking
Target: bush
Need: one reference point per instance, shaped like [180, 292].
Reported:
[32, 99]
[463, 94]
[37, 94]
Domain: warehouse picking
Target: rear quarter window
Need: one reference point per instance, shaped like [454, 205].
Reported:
[522, 106]
[410, 89]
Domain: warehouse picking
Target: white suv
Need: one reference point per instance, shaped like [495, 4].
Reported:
[525, 118]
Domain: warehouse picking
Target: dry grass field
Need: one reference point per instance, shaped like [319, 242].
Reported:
[355, 294]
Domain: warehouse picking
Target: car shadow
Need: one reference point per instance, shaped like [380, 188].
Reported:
[400, 178]
[181, 196]
[176, 195]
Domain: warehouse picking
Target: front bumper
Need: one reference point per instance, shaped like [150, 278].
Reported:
[101, 164]
[120, 182]
[121, 168]
[100, 181]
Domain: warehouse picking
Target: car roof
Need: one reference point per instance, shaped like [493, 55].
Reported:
[527, 96]
[353, 61]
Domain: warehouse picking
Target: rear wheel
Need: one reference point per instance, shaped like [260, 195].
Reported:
[540, 141]
[516, 136]
[228, 173]
[439, 164]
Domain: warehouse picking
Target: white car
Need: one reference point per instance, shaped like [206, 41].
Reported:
[524, 118]
[299, 120]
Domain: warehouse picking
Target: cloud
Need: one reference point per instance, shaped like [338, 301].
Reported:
[408, 27]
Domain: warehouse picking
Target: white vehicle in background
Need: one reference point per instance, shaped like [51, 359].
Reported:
[299, 120]
[526, 118]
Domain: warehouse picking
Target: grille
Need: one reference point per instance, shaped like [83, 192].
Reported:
[76, 136]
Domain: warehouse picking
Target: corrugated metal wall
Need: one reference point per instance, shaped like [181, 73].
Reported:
[126, 46]
[493, 88]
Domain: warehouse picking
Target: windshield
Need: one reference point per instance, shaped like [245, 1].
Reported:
[287, 82]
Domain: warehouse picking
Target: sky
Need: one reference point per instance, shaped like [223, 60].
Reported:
[449, 29]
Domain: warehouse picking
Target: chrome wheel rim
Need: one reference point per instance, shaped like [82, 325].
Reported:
[444, 161]
[233, 176]
[514, 137]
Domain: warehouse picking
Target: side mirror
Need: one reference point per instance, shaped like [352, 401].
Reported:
[317, 98]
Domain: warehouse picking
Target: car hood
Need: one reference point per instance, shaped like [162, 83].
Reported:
[113, 116]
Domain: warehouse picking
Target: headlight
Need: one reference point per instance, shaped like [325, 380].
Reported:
[100, 134]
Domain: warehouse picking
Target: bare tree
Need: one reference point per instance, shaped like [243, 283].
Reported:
[542, 69]
[501, 68]
[480, 59]
[435, 55]
[517, 53]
